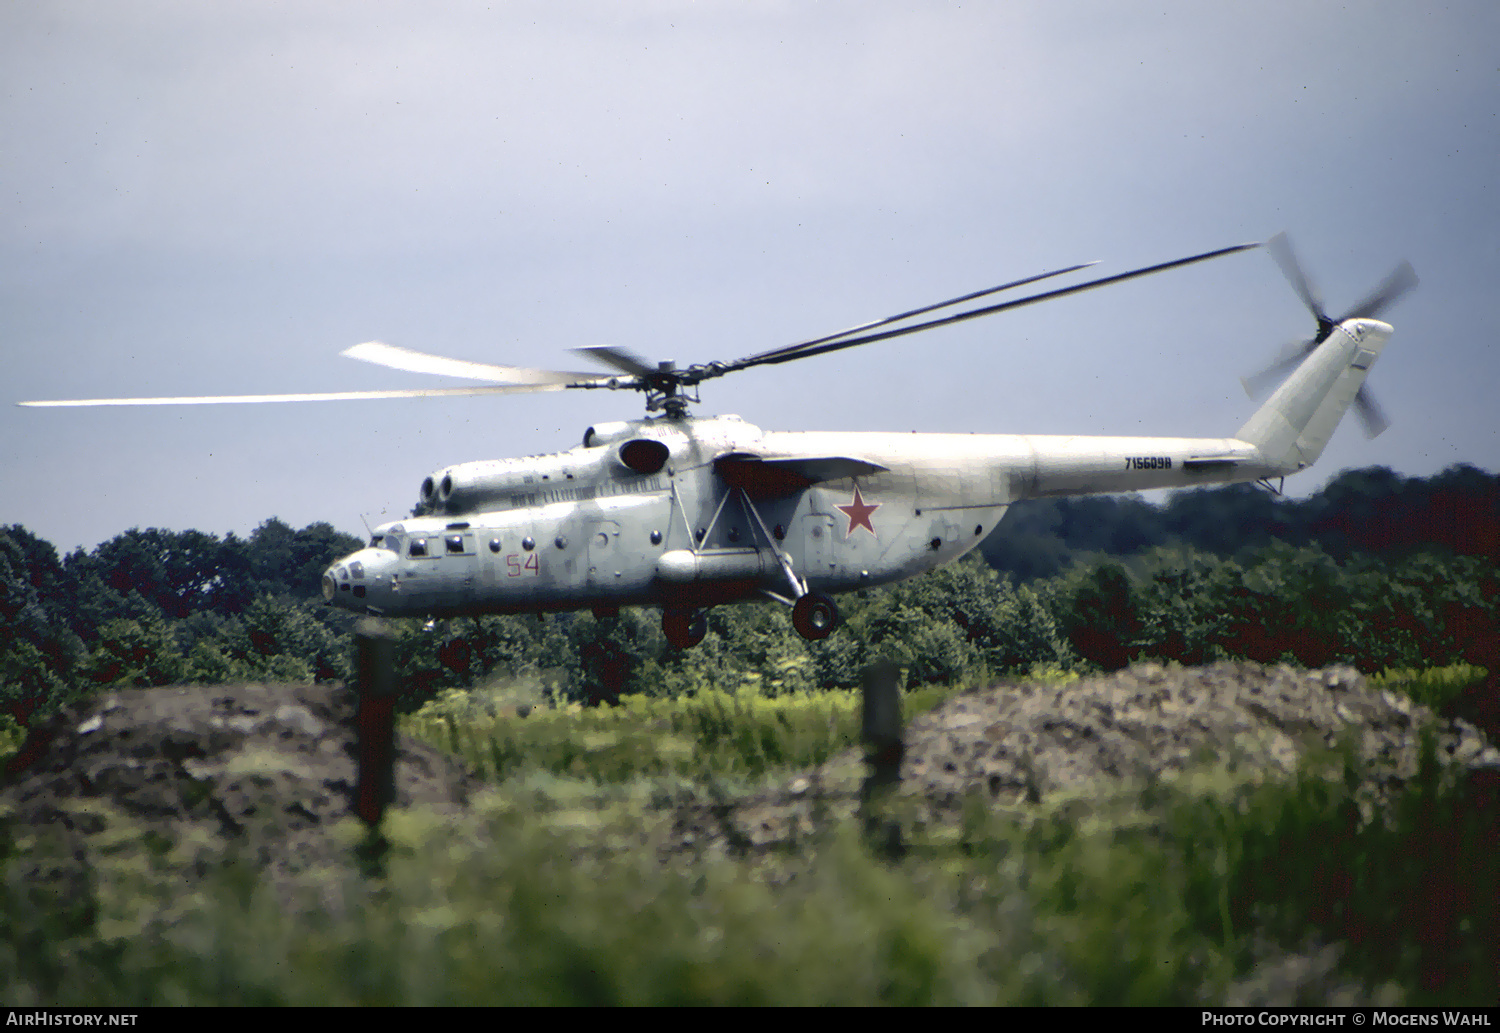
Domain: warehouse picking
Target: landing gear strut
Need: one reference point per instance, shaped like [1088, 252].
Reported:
[814, 616]
[684, 628]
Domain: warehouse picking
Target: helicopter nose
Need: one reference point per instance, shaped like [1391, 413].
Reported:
[332, 578]
[358, 581]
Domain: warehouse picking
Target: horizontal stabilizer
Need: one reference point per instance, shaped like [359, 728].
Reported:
[1214, 462]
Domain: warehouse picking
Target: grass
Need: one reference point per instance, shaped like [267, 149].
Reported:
[1434, 688]
[499, 732]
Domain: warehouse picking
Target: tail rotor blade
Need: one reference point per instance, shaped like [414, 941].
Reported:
[1260, 384]
[1371, 416]
[1402, 279]
[1281, 250]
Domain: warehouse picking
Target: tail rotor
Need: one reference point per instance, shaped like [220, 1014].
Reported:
[1401, 280]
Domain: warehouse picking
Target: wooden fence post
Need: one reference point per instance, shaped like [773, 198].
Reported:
[881, 731]
[375, 720]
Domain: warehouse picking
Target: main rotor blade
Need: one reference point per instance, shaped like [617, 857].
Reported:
[773, 358]
[323, 396]
[1281, 250]
[392, 357]
[1402, 279]
[619, 358]
[1370, 414]
[920, 311]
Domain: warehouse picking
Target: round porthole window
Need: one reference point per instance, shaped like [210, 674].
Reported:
[527, 543]
[494, 545]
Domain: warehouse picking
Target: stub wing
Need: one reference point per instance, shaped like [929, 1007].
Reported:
[779, 476]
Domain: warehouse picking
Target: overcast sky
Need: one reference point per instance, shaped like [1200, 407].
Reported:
[219, 198]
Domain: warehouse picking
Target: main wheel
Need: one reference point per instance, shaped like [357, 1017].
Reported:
[684, 628]
[815, 616]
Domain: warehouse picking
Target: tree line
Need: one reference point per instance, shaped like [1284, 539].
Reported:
[1376, 570]
[1372, 511]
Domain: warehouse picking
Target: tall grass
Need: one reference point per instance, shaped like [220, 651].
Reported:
[1434, 687]
[708, 736]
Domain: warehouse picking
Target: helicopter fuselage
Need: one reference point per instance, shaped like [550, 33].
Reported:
[689, 513]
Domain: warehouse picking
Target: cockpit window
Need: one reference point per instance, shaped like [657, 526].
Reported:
[418, 547]
[376, 540]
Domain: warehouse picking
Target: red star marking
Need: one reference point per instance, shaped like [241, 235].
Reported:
[858, 513]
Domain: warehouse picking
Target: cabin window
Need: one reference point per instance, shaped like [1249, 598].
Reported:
[418, 547]
[455, 544]
[494, 545]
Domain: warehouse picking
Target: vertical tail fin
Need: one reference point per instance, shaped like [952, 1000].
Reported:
[1293, 427]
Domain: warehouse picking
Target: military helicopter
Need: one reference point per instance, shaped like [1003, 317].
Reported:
[686, 512]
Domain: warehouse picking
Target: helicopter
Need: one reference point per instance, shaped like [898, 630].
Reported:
[685, 513]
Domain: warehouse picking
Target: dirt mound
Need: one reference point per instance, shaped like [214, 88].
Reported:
[261, 769]
[1028, 741]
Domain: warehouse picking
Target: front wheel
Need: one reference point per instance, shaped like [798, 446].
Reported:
[815, 617]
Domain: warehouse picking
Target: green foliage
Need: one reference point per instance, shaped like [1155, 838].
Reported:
[1412, 888]
[280, 561]
[39, 653]
[506, 729]
[135, 653]
[12, 735]
[1372, 512]
[29, 682]
[1100, 612]
[1435, 688]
